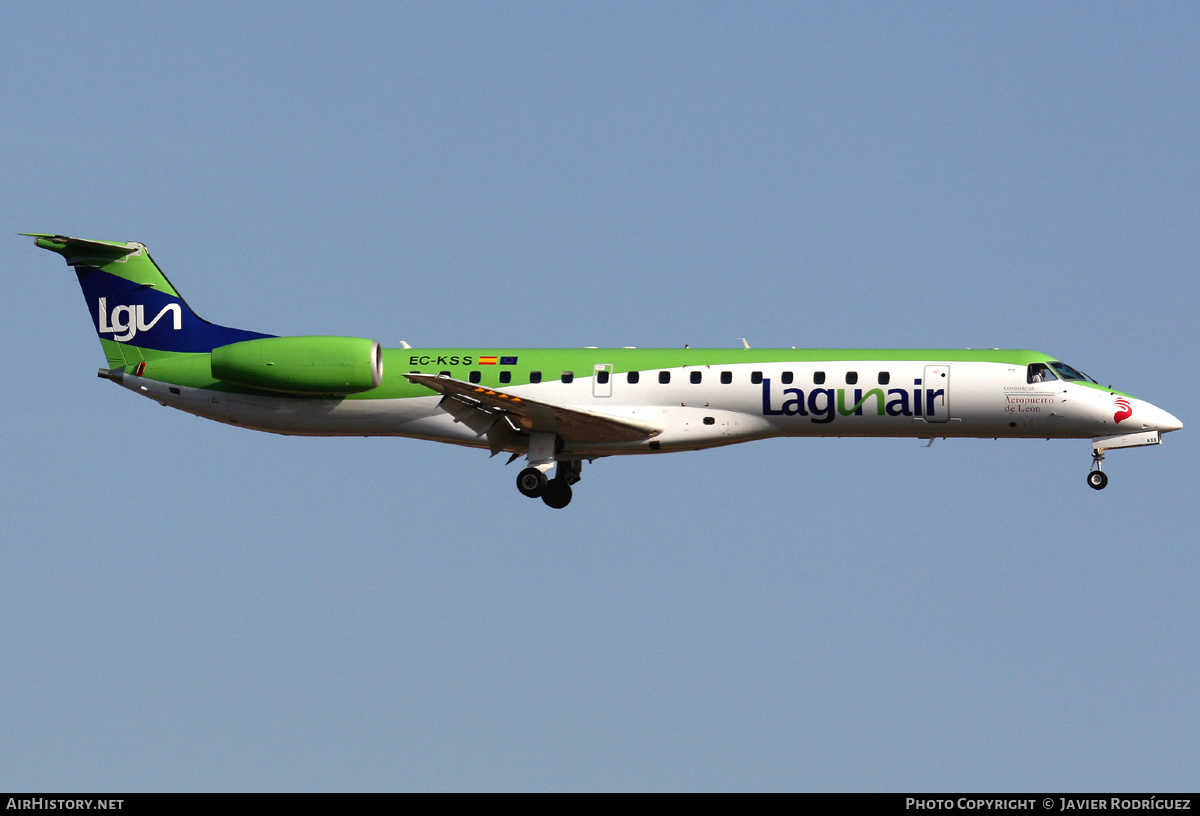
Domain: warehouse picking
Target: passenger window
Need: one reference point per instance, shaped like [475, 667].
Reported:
[726, 377]
[756, 377]
[695, 377]
[885, 377]
[786, 378]
[633, 376]
[475, 376]
[818, 378]
[710, 421]
[664, 377]
[443, 373]
[602, 377]
[851, 377]
[535, 377]
[505, 377]
[568, 376]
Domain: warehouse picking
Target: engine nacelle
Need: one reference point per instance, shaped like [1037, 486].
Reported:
[329, 366]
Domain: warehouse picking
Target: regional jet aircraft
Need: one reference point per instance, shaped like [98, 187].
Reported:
[559, 407]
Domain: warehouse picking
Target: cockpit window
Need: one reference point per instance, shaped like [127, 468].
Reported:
[1040, 372]
[1070, 374]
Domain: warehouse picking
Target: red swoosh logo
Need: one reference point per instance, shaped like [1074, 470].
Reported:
[1124, 411]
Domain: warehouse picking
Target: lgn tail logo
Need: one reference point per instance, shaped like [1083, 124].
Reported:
[126, 321]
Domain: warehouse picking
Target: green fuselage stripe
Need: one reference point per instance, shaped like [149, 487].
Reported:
[193, 370]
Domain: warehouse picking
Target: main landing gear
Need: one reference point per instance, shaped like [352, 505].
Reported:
[554, 492]
[532, 481]
[1097, 479]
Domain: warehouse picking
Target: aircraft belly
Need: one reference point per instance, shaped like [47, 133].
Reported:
[307, 416]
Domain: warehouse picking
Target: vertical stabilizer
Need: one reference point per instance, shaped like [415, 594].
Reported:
[137, 313]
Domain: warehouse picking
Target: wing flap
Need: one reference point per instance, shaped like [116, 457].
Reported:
[476, 405]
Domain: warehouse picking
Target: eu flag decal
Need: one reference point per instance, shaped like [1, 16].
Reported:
[508, 361]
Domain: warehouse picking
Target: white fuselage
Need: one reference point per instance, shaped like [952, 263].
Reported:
[922, 399]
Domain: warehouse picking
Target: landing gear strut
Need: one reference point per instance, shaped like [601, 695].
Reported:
[1097, 479]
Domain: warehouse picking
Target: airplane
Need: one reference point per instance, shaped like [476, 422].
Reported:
[560, 407]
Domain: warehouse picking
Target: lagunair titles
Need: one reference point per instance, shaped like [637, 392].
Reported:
[820, 405]
[558, 407]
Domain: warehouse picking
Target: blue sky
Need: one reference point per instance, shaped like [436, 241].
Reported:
[190, 606]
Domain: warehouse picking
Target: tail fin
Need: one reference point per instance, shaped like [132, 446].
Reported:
[137, 312]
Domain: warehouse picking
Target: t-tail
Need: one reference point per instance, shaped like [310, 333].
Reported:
[137, 312]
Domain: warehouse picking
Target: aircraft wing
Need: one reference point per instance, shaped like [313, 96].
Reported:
[489, 410]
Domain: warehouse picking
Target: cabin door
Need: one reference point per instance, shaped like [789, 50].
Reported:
[936, 393]
[602, 380]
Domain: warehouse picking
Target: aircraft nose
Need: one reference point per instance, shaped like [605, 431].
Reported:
[1161, 420]
[1169, 423]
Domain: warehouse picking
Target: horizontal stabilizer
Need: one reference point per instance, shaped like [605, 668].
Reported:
[80, 250]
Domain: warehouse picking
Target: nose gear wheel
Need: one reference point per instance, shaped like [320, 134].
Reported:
[1097, 479]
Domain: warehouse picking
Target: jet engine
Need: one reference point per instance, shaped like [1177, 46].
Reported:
[326, 366]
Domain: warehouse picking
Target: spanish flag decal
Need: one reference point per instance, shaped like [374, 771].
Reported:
[487, 360]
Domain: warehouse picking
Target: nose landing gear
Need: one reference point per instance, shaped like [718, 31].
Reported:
[1097, 479]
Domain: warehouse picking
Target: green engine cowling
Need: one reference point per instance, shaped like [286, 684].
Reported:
[328, 366]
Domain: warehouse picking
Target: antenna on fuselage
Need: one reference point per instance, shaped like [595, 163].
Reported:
[744, 343]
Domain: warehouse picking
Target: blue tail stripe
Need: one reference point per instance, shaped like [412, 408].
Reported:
[143, 316]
